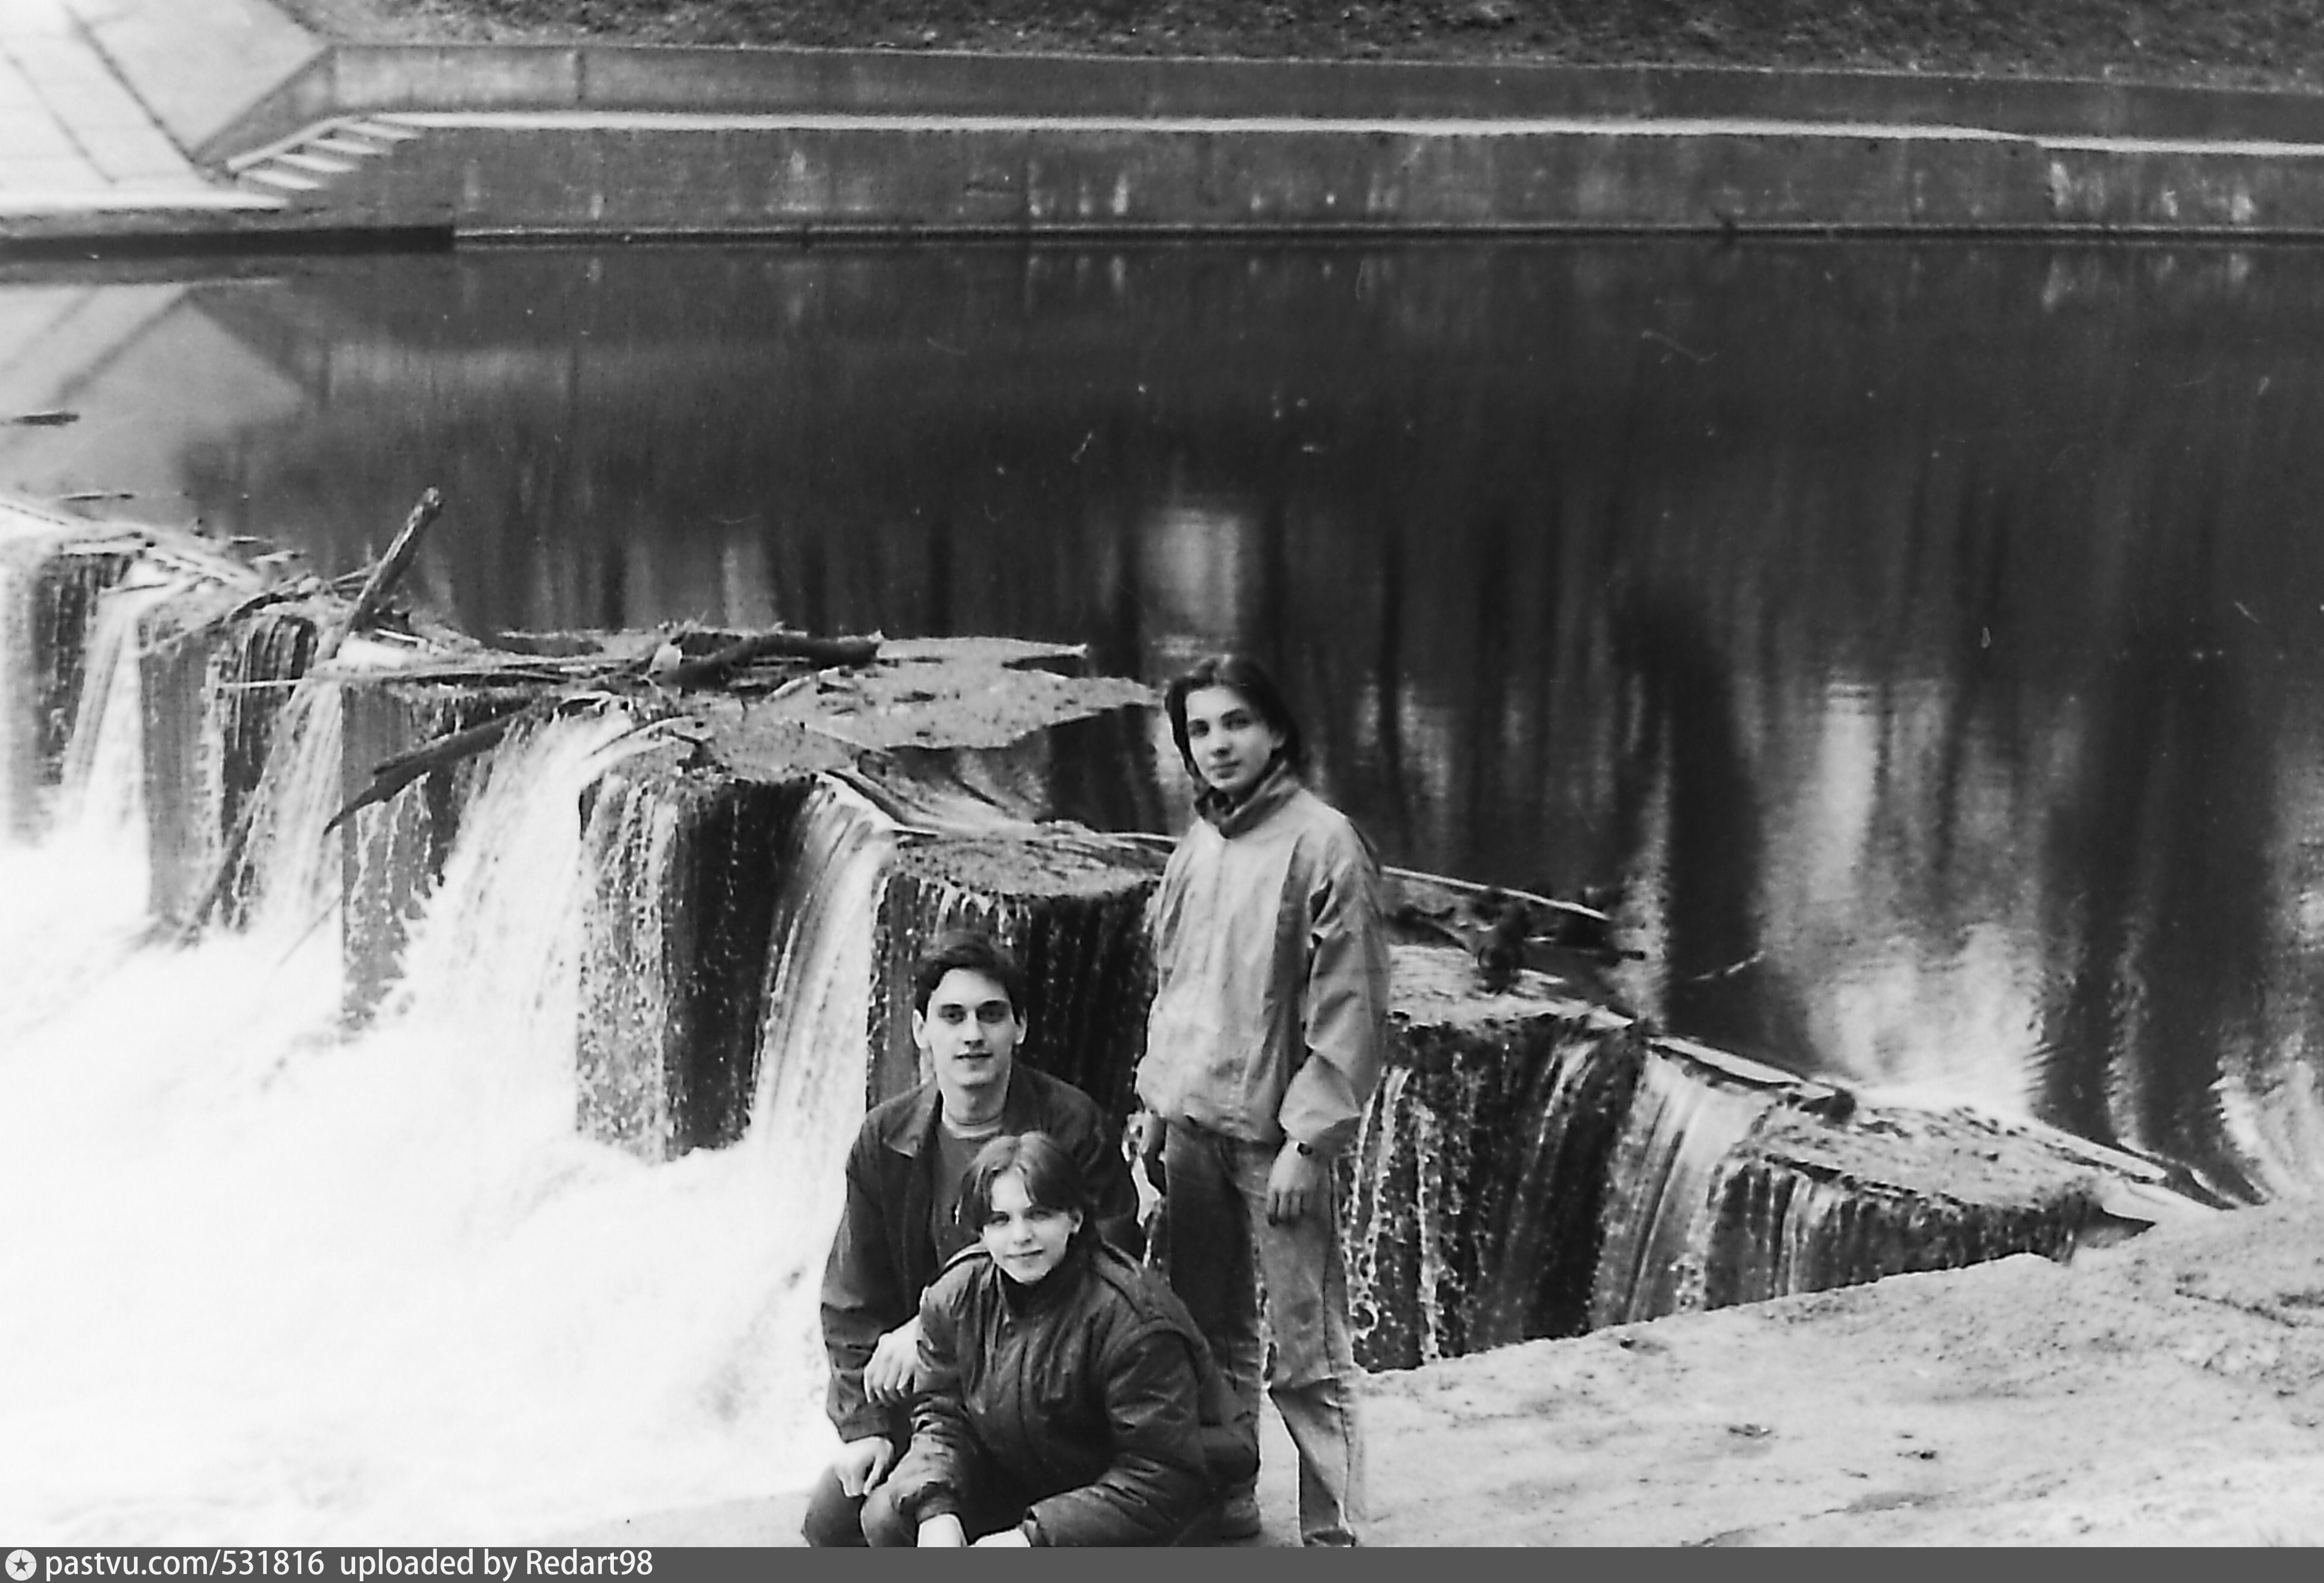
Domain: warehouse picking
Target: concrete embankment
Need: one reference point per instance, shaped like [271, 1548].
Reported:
[699, 142]
[484, 140]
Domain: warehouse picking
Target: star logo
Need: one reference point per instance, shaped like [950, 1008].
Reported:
[22, 1565]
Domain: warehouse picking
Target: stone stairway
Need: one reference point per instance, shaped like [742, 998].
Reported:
[303, 168]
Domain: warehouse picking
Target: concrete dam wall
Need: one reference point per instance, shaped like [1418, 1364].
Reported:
[782, 833]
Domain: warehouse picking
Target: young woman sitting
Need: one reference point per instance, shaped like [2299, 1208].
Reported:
[1063, 1387]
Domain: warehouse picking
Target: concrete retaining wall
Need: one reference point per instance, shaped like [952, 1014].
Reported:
[362, 78]
[904, 141]
[646, 174]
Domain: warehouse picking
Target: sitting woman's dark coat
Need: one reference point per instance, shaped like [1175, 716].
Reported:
[1084, 1395]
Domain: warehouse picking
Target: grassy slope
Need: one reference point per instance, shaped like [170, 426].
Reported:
[2246, 43]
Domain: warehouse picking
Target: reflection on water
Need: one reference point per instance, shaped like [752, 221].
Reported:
[1927, 638]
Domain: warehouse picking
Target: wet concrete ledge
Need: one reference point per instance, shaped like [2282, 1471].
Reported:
[134, 225]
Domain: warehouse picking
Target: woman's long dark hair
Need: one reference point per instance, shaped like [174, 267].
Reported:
[1052, 1180]
[1248, 677]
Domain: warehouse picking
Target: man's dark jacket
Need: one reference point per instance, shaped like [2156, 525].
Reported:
[883, 1256]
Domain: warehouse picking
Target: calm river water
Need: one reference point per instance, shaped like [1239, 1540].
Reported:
[1926, 639]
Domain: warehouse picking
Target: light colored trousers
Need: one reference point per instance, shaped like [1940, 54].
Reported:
[1224, 1261]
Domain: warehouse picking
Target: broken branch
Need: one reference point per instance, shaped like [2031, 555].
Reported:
[383, 577]
[395, 774]
[789, 645]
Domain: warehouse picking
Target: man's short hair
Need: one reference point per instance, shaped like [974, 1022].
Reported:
[975, 951]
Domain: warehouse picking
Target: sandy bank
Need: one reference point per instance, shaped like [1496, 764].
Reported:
[2166, 1391]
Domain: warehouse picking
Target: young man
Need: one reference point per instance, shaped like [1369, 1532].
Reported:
[1262, 1051]
[901, 1220]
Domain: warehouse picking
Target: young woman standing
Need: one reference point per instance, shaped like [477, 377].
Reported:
[1263, 1049]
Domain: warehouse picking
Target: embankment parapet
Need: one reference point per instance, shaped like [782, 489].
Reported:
[711, 142]
[355, 79]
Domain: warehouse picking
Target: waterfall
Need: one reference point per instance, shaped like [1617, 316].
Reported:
[28, 624]
[1682, 1125]
[1539, 1176]
[1400, 1226]
[2271, 1099]
[301, 1285]
[75, 896]
[1549, 1236]
[819, 988]
[653, 1051]
[495, 952]
[630, 1000]
[305, 1279]
[104, 796]
[19, 760]
[249, 684]
[288, 870]
[815, 1054]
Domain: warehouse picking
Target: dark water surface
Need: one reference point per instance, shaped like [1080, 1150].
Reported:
[1927, 638]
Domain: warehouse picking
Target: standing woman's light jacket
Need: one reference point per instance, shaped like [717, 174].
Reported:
[1271, 1003]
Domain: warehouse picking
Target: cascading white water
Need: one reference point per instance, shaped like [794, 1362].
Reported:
[1386, 1152]
[815, 1054]
[26, 540]
[18, 720]
[2272, 1105]
[73, 903]
[283, 1285]
[1679, 1128]
[630, 999]
[290, 871]
[104, 772]
[497, 952]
